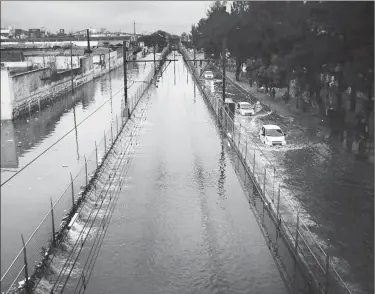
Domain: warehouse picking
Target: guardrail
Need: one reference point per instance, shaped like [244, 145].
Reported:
[305, 266]
[33, 256]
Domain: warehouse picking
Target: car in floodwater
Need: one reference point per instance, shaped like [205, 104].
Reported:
[244, 108]
[272, 135]
[208, 75]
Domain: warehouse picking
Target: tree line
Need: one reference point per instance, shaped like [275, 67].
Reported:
[159, 38]
[308, 42]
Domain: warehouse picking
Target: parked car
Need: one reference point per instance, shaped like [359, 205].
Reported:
[245, 108]
[208, 75]
[272, 135]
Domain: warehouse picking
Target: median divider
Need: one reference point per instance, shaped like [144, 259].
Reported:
[303, 264]
[33, 259]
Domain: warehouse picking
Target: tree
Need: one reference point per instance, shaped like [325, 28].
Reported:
[160, 38]
[300, 40]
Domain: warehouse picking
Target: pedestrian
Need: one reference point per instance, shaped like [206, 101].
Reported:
[273, 93]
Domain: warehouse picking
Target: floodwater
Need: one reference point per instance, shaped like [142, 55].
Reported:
[25, 199]
[182, 223]
[332, 190]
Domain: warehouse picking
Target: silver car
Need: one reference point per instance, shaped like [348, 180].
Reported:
[244, 108]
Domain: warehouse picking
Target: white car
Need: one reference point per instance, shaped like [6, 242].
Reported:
[245, 109]
[209, 75]
[272, 135]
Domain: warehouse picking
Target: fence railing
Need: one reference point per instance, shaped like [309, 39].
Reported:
[48, 233]
[303, 261]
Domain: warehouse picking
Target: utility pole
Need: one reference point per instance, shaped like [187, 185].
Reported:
[125, 78]
[134, 31]
[71, 67]
[88, 40]
[154, 58]
[195, 63]
[109, 59]
[224, 59]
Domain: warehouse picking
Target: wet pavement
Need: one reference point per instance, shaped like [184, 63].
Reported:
[182, 222]
[25, 199]
[332, 189]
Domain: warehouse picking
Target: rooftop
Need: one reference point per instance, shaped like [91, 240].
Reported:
[55, 52]
[271, 127]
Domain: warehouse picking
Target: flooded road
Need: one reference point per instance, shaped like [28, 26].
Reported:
[182, 222]
[25, 199]
[331, 189]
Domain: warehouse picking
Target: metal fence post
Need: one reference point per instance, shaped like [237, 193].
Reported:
[273, 185]
[233, 129]
[296, 242]
[111, 134]
[264, 204]
[264, 182]
[96, 154]
[245, 150]
[25, 261]
[327, 274]
[71, 183]
[254, 164]
[117, 125]
[239, 137]
[105, 145]
[278, 202]
[86, 169]
[53, 225]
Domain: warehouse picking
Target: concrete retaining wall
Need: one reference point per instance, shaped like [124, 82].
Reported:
[7, 95]
[25, 84]
[26, 92]
[39, 98]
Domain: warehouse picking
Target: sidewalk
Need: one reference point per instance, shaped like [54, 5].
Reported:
[311, 119]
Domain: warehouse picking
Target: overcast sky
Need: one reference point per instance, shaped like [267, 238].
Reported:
[171, 16]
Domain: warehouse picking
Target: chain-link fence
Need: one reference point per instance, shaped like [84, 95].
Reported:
[36, 250]
[304, 262]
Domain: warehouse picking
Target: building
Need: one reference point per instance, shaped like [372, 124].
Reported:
[56, 59]
[35, 33]
[5, 33]
[20, 34]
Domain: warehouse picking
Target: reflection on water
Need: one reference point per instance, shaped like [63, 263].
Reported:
[9, 156]
[28, 132]
[222, 165]
[83, 123]
[76, 130]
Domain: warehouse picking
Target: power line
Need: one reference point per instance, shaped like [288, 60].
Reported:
[66, 134]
